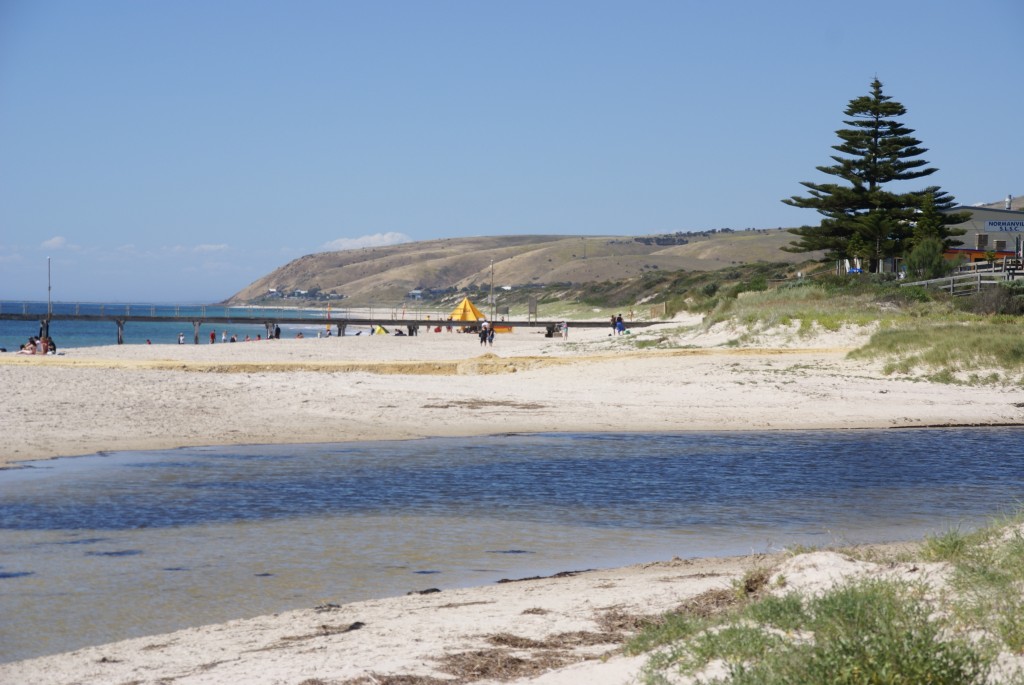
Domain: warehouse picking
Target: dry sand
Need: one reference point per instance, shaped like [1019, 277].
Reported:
[376, 387]
[379, 387]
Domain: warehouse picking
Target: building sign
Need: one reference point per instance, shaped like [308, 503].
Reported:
[1005, 226]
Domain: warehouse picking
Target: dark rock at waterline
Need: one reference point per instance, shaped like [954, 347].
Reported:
[81, 541]
[560, 574]
[118, 553]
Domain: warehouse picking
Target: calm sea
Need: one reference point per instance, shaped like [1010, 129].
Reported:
[13, 334]
[100, 548]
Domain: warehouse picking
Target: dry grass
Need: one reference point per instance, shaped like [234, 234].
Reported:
[617, 620]
[579, 638]
[535, 611]
[709, 603]
[503, 664]
[380, 679]
[322, 631]
[485, 404]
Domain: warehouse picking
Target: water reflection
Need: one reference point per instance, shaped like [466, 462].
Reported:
[99, 548]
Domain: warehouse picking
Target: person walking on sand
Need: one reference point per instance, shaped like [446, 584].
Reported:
[565, 330]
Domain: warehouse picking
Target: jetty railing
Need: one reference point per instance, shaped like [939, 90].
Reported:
[207, 311]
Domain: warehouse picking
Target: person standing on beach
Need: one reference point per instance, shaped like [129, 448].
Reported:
[614, 328]
[181, 338]
[213, 336]
[565, 330]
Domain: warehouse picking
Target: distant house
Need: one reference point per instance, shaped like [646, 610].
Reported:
[999, 231]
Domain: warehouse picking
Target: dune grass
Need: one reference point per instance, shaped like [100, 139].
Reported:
[863, 631]
[828, 304]
[988, 578]
[921, 333]
[970, 350]
[867, 631]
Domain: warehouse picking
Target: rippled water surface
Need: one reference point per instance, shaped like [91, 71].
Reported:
[100, 548]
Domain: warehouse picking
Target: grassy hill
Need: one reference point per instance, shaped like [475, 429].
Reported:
[388, 274]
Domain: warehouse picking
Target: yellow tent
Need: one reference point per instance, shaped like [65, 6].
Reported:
[467, 311]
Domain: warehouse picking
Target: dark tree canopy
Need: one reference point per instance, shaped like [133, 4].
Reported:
[862, 216]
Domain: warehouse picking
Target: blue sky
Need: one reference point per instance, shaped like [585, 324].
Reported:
[161, 151]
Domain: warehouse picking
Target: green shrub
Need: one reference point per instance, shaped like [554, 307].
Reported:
[949, 546]
[1003, 299]
[864, 633]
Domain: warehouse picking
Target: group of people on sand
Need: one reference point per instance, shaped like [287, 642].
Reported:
[618, 325]
[486, 334]
[39, 345]
[224, 338]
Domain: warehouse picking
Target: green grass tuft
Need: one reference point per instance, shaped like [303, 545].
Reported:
[865, 631]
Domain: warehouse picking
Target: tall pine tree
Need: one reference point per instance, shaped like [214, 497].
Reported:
[862, 212]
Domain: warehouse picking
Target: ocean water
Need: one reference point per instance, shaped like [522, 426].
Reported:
[100, 548]
[65, 334]
[13, 334]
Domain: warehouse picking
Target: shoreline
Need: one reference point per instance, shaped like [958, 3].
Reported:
[560, 629]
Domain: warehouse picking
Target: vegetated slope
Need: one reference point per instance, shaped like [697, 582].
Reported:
[390, 273]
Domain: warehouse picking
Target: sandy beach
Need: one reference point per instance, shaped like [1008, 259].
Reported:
[378, 387]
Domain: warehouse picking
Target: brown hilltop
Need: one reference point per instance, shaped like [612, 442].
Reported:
[389, 273]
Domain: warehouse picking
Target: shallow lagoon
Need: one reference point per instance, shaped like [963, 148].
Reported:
[94, 549]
